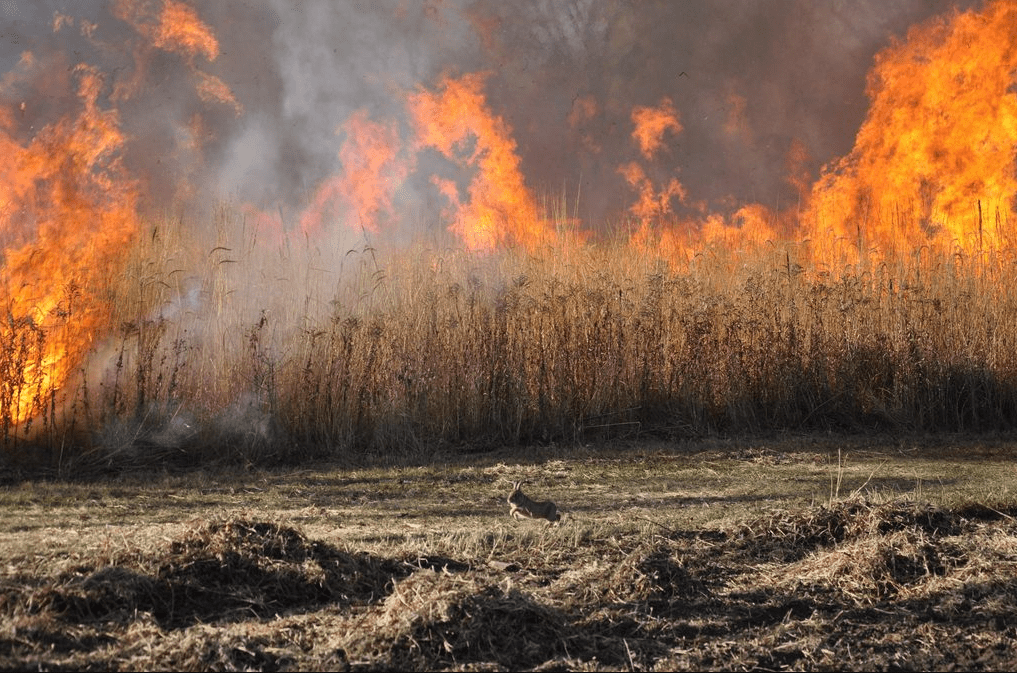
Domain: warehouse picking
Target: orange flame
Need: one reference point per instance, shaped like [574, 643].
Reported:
[373, 168]
[500, 210]
[751, 227]
[659, 228]
[211, 89]
[939, 143]
[651, 123]
[176, 28]
[67, 212]
[652, 205]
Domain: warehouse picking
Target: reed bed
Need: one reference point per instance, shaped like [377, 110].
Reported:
[245, 347]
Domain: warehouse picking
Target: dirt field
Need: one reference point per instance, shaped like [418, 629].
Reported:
[802, 553]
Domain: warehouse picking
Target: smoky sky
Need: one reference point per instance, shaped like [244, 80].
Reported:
[748, 79]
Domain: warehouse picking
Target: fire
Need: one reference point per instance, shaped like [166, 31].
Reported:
[659, 228]
[211, 89]
[175, 28]
[456, 121]
[653, 210]
[497, 208]
[937, 150]
[652, 205]
[751, 227]
[373, 168]
[933, 166]
[651, 123]
[649, 126]
[67, 211]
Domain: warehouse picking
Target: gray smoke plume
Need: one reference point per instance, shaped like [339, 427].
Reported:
[259, 123]
[747, 78]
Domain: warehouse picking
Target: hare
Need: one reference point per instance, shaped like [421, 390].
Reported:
[522, 506]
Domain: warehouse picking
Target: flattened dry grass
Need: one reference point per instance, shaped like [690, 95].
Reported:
[634, 578]
[226, 570]
[249, 594]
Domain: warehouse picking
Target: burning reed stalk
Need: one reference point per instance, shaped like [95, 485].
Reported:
[279, 355]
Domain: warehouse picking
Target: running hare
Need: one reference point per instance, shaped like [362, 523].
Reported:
[522, 506]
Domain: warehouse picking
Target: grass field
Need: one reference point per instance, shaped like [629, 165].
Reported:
[243, 348]
[286, 457]
[801, 552]
[280, 434]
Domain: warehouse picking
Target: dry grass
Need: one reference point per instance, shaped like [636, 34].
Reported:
[706, 557]
[242, 349]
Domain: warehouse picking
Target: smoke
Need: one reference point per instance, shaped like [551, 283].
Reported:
[748, 79]
[317, 120]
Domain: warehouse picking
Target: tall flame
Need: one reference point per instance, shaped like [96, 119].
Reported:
[373, 169]
[68, 208]
[500, 210]
[938, 146]
[67, 211]
[652, 207]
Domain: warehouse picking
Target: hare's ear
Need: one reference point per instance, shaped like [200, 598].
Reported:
[516, 485]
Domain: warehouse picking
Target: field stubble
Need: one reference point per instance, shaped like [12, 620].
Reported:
[803, 553]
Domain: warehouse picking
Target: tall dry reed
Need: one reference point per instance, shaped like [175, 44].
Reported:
[255, 348]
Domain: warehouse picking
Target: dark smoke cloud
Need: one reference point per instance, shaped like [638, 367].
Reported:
[747, 78]
[794, 69]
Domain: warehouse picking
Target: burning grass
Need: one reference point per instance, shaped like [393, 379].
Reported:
[467, 314]
[402, 352]
[855, 583]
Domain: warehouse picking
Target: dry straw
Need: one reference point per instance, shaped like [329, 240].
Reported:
[804, 587]
[242, 349]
